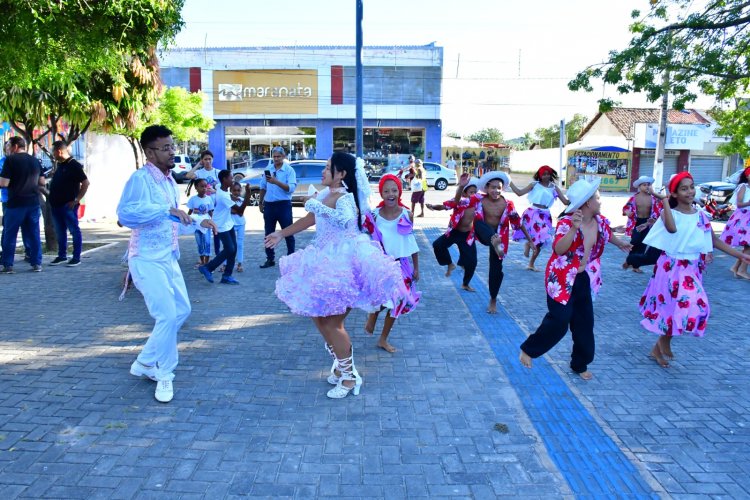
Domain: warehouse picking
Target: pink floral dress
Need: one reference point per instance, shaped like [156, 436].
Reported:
[675, 302]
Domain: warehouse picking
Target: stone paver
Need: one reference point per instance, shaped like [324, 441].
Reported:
[250, 416]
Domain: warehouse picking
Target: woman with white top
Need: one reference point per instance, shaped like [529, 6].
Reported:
[675, 302]
[537, 220]
[391, 224]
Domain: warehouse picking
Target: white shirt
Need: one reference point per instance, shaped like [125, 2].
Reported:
[223, 211]
[692, 238]
[237, 219]
[144, 207]
[416, 185]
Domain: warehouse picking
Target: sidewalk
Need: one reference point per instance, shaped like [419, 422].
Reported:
[445, 416]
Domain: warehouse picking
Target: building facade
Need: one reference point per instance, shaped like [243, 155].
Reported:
[303, 98]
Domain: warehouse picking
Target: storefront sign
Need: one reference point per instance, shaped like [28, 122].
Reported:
[679, 136]
[265, 92]
[612, 167]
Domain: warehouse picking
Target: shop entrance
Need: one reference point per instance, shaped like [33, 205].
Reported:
[245, 145]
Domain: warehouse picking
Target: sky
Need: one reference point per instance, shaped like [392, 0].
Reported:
[506, 65]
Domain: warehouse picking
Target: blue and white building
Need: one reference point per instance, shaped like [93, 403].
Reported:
[303, 98]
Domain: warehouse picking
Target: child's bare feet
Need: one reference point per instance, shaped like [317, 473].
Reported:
[451, 267]
[657, 355]
[531, 268]
[525, 359]
[587, 375]
[497, 244]
[370, 324]
[383, 344]
[492, 307]
[467, 288]
[625, 266]
[637, 270]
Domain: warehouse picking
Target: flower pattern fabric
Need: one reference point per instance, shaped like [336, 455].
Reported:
[458, 212]
[508, 218]
[561, 270]
[737, 231]
[656, 207]
[538, 222]
[675, 302]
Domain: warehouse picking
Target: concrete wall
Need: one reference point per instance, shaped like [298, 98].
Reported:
[109, 162]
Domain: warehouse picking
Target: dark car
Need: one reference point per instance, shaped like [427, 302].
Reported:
[720, 191]
[309, 172]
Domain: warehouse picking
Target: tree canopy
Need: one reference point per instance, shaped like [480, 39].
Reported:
[82, 63]
[182, 112]
[487, 135]
[704, 50]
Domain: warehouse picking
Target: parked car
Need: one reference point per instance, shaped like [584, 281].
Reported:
[309, 173]
[182, 166]
[439, 176]
[719, 191]
[249, 170]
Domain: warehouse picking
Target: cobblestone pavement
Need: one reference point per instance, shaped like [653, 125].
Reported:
[441, 417]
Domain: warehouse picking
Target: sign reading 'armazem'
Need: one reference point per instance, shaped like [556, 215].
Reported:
[265, 92]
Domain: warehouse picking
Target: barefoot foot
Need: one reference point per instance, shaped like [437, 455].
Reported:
[383, 344]
[638, 270]
[370, 325]
[625, 266]
[587, 375]
[525, 359]
[467, 288]
[451, 267]
[656, 354]
[492, 307]
[526, 249]
[532, 268]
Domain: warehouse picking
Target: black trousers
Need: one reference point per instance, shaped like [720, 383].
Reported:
[578, 314]
[484, 233]
[467, 253]
[641, 255]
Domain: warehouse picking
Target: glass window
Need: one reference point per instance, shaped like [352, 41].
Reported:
[382, 145]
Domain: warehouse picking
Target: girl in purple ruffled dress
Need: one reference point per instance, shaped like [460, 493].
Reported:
[737, 231]
[392, 225]
[675, 302]
[341, 269]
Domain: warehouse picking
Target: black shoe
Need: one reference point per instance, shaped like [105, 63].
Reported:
[58, 260]
[268, 263]
[73, 263]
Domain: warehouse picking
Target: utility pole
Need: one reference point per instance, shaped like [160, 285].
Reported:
[563, 143]
[358, 134]
[661, 142]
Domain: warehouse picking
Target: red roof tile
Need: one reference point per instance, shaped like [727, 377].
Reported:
[624, 118]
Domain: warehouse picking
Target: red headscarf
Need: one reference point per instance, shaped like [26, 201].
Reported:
[747, 172]
[390, 177]
[543, 170]
[674, 182]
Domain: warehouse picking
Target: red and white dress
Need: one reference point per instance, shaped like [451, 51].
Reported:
[737, 231]
[562, 270]
[675, 302]
[537, 220]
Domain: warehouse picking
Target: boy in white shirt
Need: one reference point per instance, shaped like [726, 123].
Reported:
[201, 206]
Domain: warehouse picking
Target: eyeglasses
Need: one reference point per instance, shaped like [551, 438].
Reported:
[164, 149]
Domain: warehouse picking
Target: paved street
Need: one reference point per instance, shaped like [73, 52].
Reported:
[450, 414]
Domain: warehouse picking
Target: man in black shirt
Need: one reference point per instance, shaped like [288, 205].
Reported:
[21, 174]
[69, 185]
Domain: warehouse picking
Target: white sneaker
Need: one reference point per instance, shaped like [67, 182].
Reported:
[140, 370]
[164, 392]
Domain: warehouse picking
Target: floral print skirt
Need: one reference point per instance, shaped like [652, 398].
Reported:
[538, 223]
[675, 302]
[737, 231]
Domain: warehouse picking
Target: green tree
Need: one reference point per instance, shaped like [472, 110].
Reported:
[70, 65]
[491, 135]
[182, 112]
[549, 137]
[705, 50]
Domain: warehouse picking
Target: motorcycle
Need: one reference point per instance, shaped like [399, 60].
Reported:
[717, 212]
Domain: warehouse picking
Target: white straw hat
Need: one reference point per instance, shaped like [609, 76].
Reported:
[580, 192]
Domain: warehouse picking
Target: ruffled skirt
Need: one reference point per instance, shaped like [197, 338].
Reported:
[330, 279]
[737, 231]
[538, 223]
[675, 302]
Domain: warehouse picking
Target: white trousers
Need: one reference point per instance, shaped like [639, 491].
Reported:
[166, 297]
